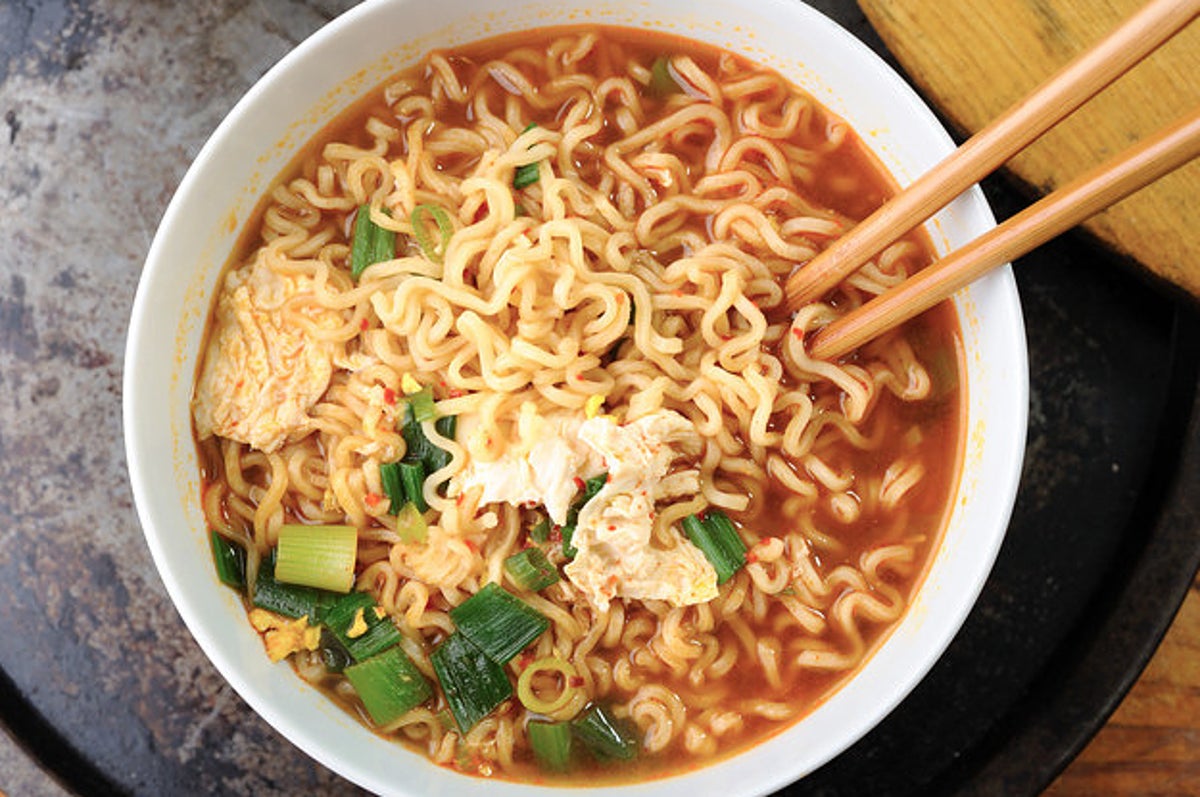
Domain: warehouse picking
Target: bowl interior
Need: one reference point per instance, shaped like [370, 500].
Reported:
[324, 75]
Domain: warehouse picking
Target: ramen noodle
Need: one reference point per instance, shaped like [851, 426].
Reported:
[509, 338]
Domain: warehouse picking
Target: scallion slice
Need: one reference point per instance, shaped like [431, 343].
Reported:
[530, 569]
[411, 525]
[662, 82]
[551, 743]
[389, 685]
[369, 243]
[419, 449]
[317, 556]
[333, 653]
[290, 600]
[230, 559]
[362, 629]
[473, 683]
[525, 175]
[568, 546]
[590, 488]
[604, 735]
[422, 405]
[540, 531]
[501, 624]
[434, 250]
[412, 477]
[718, 539]
[393, 486]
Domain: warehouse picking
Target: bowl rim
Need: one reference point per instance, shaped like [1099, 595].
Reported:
[143, 427]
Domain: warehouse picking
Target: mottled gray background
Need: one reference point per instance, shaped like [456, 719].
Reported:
[104, 104]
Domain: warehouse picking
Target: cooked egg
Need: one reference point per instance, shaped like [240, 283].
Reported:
[540, 468]
[262, 371]
[616, 555]
[283, 636]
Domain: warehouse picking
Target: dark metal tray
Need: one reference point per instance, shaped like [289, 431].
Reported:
[102, 685]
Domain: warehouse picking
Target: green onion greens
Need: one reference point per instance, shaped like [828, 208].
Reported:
[716, 536]
[433, 249]
[498, 622]
[473, 683]
[369, 243]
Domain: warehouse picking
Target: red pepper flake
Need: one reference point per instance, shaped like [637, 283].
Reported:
[461, 497]
[389, 396]
[751, 557]
[372, 499]
[575, 681]
[798, 332]
[455, 392]
[474, 546]
[607, 477]
[364, 324]
[579, 377]
[555, 534]
[579, 483]
[611, 527]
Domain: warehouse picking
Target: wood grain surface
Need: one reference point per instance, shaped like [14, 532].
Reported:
[1151, 744]
[974, 58]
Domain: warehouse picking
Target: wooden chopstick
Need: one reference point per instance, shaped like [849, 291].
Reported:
[1012, 131]
[1105, 185]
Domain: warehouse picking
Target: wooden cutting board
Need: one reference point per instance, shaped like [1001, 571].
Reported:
[974, 58]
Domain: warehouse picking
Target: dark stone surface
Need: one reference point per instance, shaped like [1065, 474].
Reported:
[105, 102]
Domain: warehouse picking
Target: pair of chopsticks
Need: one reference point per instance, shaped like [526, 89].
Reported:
[1016, 128]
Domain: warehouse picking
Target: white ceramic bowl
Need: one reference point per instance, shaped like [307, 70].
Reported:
[326, 73]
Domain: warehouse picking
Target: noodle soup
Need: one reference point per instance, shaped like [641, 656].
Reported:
[507, 437]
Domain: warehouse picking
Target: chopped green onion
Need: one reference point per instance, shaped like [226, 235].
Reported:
[540, 531]
[289, 600]
[389, 685]
[361, 627]
[230, 559]
[568, 548]
[333, 653]
[393, 486]
[317, 556]
[718, 539]
[435, 251]
[662, 81]
[590, 488]
[501, 624]
[412, 477]
[369, 243]
[422, 405]
[604, 735]
[530, 569]
[525, 175]
[419, 449]
[411, 525]
[551, 743]
[473, 683]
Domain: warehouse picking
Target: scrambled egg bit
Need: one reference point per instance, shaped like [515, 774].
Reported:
[616, 556]
[282, 636]
[262, 371]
